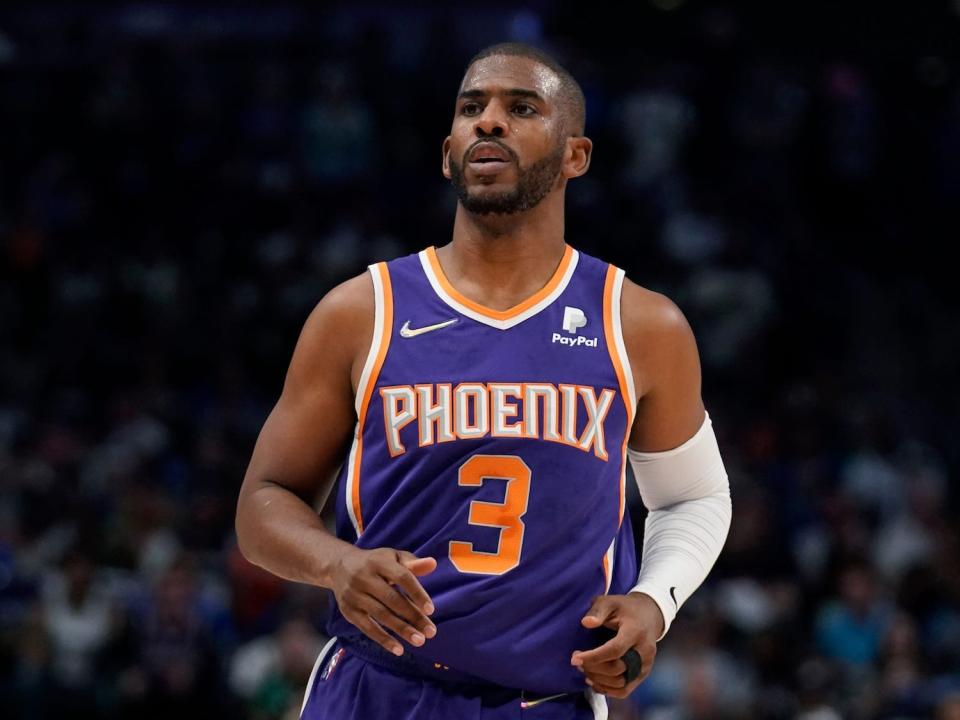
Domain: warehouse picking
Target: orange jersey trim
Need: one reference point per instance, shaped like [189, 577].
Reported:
[608, 331]
[456, 295]
[383, 343]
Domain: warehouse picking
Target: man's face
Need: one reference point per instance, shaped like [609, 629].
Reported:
[506, 147]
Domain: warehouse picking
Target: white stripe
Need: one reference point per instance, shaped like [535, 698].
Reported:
[598, 703]
[618, 340]
[351, 465]
[625, 364]
[375, 344]
[479, 317]
[316, 668]
[610, 551]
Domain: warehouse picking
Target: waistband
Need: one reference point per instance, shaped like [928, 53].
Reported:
[464, 683]
[414, 666]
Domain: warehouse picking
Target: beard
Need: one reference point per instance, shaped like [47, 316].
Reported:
[533, 185]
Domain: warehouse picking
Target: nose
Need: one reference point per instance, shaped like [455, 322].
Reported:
[492, 121]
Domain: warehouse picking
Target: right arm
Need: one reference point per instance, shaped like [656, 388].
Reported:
[302, 443]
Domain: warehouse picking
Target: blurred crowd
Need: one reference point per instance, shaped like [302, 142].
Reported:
[180, 185]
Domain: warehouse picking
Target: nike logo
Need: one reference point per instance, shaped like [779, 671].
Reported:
[527, 704]
[674, 597]
[406, 332]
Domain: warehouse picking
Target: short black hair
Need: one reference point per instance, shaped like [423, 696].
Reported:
[572, 103]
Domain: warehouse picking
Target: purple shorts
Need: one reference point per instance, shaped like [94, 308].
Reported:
[344, 686]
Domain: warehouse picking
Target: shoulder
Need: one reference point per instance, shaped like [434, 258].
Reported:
[657, 335]
[352, 299]
[343, 308]
[649, 315]
[336, 335]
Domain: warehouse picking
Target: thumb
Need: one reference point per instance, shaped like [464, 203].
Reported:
[600, 611]
[417, 565]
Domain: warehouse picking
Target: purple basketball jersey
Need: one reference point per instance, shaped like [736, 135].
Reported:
[494, 441]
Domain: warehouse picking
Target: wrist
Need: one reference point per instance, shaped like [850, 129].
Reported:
[653, 610]
[328, 556]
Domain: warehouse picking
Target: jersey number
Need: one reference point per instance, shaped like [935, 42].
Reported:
[506, 515]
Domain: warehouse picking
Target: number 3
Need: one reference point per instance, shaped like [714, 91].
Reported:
[506, 515]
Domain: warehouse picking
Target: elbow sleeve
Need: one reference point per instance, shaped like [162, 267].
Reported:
[687, 494]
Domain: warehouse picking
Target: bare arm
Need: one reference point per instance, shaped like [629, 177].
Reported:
[666, 370]
[303, 441]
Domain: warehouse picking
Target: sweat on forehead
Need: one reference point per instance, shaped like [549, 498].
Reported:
[520, 71]
[526, 66]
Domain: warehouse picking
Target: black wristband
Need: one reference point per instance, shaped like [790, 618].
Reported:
[631, 658]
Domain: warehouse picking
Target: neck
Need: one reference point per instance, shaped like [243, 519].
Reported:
[500, 260]
[541, 225]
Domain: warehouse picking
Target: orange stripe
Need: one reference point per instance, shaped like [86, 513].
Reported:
[621, 376]
[384, 343]
[500, 314]
[606, 571]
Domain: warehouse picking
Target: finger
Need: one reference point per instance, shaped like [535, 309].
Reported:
[610, 681]
[613, 649]
[419, 566]
[388, 620]
[399, 575]
[600, 611]
[610, 668]
[646, 663]
[403, 608]
[616, 692]
[619, 688]
[601, 687]
[612, 690]
[372, 630]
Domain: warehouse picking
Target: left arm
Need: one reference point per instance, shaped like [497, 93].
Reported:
[677, 465]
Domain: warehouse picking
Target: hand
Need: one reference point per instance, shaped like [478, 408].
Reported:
[363, 582]
[638, 623]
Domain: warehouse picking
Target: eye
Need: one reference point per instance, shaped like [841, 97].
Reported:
[524, 109]
[470, 108]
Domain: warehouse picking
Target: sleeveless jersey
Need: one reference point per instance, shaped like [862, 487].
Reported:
[495, 442]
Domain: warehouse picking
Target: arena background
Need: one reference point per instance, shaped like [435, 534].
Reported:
[179, 185]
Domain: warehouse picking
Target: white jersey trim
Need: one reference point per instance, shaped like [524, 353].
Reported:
[611, 551]
[499, 324]
[375, 344]
[598, 703]
[351, 465]
[618, 339]
[316, 668]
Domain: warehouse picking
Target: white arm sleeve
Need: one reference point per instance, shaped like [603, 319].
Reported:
[687, 495]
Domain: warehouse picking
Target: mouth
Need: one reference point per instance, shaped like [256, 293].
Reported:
[488, 158]
[488, 168]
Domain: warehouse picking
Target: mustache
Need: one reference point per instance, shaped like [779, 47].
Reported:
[491, 141]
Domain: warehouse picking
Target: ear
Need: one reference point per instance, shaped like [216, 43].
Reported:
[576, 160]
[446, 157]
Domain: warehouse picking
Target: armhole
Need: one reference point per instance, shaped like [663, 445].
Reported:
[382, 330]
[613, 329]
[382, 327]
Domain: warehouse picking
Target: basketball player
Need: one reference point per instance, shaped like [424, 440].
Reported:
[482, 400]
